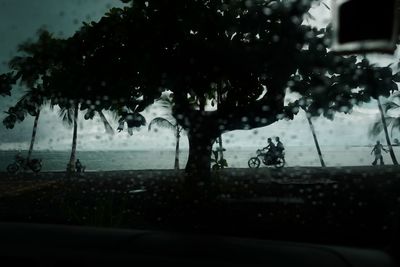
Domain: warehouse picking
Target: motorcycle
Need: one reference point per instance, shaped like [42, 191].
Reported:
[21, 163]
[266, 157]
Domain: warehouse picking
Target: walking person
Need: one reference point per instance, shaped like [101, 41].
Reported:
[377, 150]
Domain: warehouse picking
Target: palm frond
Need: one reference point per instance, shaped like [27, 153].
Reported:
[117, 113]
[308, 16]
[135, 120]
[7, 80]
[33, 97]
[107, 125]
[396, 94]
[390, 105]
[162, 122]
[18, 63]
[27, 104]
[326, 5]
[10, 121]
[377, 126]
[67, 116]
[165, 102]
[395, 125]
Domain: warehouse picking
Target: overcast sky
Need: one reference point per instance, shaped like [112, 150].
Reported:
[20, 20]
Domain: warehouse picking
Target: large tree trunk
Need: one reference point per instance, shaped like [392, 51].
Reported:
[391, 152]
[198, 166]
[178, 135]
[72, 159]
[198, 184]
[35, 124]
[321, 159]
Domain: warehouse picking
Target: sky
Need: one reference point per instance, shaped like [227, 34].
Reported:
[20, 20]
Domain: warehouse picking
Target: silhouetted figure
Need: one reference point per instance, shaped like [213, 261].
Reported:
[19, 158]
[377, 150]
[271, 150]
[79, 167]
[279, 147]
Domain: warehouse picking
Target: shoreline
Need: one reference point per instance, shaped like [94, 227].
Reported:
[234, 169]
[164, 160]
[156, 149]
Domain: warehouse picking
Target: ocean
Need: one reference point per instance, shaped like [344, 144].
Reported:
[236, 158]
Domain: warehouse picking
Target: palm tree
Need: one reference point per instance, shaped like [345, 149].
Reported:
[69, 115]
[385, 121]
[385, 128]
[39, 62]
[36, 62]
[34, 102]
[321, 159]
[170, 123]
[305, 107]
[30, 103]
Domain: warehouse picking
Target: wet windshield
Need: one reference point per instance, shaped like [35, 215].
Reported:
[224, 117]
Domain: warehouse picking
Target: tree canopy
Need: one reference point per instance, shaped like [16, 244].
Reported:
[228, 64]
[35, 62]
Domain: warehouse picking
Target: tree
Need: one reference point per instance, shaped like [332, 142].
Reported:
[33, 68]
[70, 115]
[385, 128]
[99, 88]
[249, 52]
[381, 82]
[323, 91]
[30, 103]
[386, 121]
[35, 62]
[321, 159]
[194, 49]
[390, 109]
[357, 82]
[169, 122]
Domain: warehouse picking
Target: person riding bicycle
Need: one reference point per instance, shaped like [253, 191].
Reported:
[19, 158]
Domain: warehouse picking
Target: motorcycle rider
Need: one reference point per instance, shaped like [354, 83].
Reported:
[271, 150]
[279, 147]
